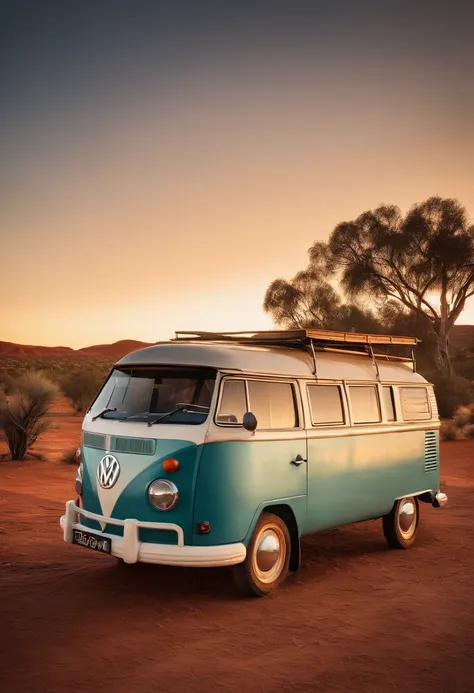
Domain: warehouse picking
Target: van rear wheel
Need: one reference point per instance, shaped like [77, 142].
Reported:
[400, 526]
[268, 556]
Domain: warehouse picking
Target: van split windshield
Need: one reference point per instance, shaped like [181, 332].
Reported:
[147, 393]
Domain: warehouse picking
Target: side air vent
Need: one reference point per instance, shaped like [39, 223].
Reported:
[138, 446]
[93, 440]
[431, 451]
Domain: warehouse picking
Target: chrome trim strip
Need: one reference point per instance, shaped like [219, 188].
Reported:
[367, 430]
[417, 493]
[220, 434]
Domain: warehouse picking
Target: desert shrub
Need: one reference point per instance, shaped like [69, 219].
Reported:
[22, 411]
[452, 393]
[7, 382]
[448, 430]
[461, 425]
[468, 431]
[81, 386]
[464, 415]
[69, 456]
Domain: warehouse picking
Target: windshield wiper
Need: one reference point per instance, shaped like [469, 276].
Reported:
[190, 408]
[104, 411]
[135, 416]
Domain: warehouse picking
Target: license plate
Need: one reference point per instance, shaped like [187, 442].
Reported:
[91, 541]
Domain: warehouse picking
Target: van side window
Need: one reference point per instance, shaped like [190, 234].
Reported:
[415, 405]
[365, 403]
[388, 401]
[273, 404]
[233, 403]
[326, 404]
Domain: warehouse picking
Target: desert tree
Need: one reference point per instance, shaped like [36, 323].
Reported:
[309, 301]
[23, 409]
[423, 261]
[302, 302]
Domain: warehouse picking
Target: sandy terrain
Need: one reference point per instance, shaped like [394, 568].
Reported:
[357, 617]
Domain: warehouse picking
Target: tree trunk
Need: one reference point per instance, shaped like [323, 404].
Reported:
[443, 359]
[19, 447]
[442, 330]
[17, 439]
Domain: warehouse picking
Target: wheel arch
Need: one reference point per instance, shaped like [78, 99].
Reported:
[286, 513]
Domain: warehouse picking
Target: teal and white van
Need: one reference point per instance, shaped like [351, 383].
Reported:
[225, 449]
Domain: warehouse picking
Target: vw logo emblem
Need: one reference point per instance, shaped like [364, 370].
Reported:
[108, 471]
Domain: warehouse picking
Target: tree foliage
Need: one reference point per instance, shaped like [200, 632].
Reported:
[308, 300]
[423, 261]
[416, 273]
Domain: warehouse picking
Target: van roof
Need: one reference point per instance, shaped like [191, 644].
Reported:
[272, 360]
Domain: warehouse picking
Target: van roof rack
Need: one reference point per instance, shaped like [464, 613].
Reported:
[284, 337]
[312, 341]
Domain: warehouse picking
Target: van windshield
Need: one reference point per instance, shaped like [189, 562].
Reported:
[145, 393]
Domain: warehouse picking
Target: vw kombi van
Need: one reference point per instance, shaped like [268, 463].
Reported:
[225, 449]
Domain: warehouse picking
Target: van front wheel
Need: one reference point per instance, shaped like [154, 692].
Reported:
[268, 556]
[400, 526]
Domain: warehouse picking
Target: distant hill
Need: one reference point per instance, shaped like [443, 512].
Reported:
[113, 351]
[462, 339]
[116, 350]
[11, 349]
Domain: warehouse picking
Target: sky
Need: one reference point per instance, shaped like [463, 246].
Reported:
[162, 162]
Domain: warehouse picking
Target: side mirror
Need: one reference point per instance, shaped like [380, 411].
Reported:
[249, 421]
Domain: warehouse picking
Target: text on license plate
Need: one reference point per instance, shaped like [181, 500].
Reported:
[91, 541]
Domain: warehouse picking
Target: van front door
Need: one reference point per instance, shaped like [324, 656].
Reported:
[241, 471]
[280, 447]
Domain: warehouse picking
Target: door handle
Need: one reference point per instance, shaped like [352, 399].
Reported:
[298, 460]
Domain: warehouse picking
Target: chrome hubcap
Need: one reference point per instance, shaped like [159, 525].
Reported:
[269, 554]
[407, 517]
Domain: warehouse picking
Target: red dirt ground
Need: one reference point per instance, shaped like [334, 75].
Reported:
[357, 617]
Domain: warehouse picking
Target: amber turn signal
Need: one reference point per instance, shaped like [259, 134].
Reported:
[170, 465]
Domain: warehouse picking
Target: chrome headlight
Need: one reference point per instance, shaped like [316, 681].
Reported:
[163, 494]
[78, 484]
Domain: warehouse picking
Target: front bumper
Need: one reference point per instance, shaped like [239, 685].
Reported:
[131, 550]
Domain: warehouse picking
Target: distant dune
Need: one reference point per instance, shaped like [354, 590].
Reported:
[462, 338]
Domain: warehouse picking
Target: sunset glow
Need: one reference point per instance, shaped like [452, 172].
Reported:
[160, 172]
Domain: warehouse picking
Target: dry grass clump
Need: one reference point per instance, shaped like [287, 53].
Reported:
[81, 386]
[460, 426]
[464, 415]
[468, 431]
[69, 456]
[448, 430]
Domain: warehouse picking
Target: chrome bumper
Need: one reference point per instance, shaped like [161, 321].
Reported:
[131, 550]
[440, 500]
